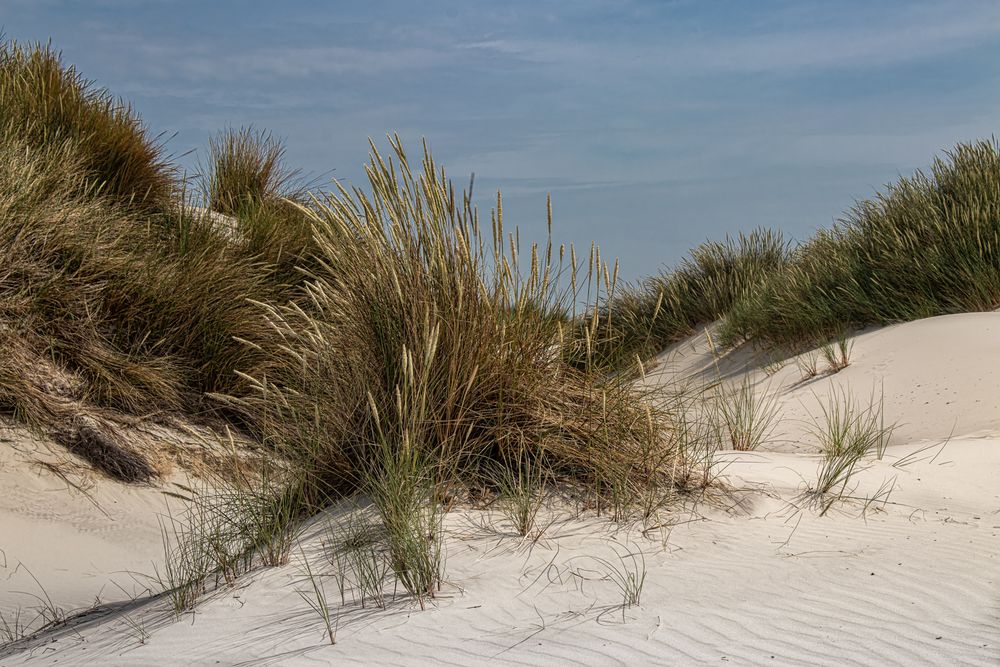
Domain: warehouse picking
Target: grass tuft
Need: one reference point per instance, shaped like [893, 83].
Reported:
[44, 103]
[846, 433]
[520, 485]
[245, 170]
[748, 416]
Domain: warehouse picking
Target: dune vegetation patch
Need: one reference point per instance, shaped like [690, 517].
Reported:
[385, 347]
[381, 343]
[634, 322]
[927, 245]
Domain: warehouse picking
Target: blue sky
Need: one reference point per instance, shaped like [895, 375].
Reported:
[655, 125]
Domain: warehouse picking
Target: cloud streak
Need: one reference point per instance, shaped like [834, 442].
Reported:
[919, 34]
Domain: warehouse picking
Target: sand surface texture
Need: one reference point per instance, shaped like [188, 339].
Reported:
[753, 576]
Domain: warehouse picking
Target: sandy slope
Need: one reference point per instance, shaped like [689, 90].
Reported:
[940, 376]
[71, 537]
[753, 577]
[73, 540]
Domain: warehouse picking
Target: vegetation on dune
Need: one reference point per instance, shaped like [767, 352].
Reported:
[43, 103]
[115, 294]
[382, 342]
[423, 368]
[244, 169]
[111, 308]
[847, 432]
[377, 343]
[634, 323]
[425, 334]
[928, 245]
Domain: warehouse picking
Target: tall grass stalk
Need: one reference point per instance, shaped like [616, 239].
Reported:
[316, 599]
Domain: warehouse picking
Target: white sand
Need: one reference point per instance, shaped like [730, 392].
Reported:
[80, 544]
[916, 582]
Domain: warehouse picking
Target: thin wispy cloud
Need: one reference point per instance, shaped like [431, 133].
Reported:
[920, 33]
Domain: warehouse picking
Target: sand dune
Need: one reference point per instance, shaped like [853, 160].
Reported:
[752, 577]
[939, 376]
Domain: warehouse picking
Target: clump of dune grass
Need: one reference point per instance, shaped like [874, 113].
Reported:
[635, 322]
[520, 486]
[401, 484]
[246, 180]
[245, 169]
[422, 363]
[118, 299]
[43, 102]
[227, 529]
[808, 364]
[927, 245]
[846, 433]
[748, 416]
[376, 342]
[837, 354]
[105, 307]
[356, 551]
[67, 261]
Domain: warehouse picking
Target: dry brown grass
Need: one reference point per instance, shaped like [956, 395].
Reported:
[43, 102]
[106, 304]
[424, 332]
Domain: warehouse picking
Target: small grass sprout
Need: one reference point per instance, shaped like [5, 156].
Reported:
[316, 599]
[628, 573]
[749, 416]
[808, 365]
[846, 433]
[838, 354]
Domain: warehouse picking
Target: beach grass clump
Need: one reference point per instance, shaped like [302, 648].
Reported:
[228, 528]
[628, 575]
[423, 340]
[43, 102]
[245, 169]
[356, 550]
[635, 322]
[62, 253]
[115, 294]
[377, 342]
[401, 484]
[837, 354]
[246, 180]
[749, 417]
[114, 309]
[520, 486]
[927, 245]
[846, 432]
